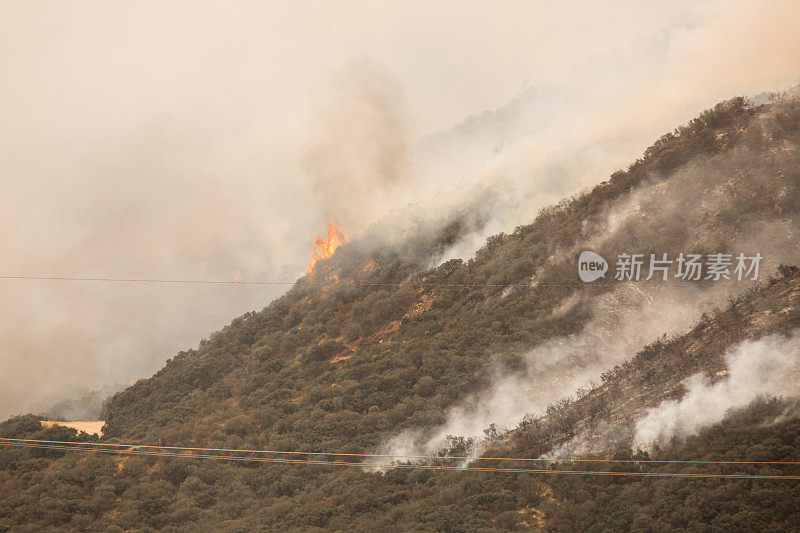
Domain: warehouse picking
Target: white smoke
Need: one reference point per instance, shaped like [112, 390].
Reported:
[658, 213]
[767, 367]
[624, 322]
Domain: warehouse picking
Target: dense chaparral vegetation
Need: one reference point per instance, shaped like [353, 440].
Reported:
[378, 342]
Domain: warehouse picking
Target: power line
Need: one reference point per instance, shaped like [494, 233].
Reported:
[110, 445]
[245, 282]
[147, 280]
[703, 475]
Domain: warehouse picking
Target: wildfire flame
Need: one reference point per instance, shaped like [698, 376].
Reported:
[324, 248]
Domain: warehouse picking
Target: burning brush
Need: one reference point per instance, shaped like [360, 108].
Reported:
[324, 248]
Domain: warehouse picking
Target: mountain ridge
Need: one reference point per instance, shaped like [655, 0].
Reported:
[377, 344]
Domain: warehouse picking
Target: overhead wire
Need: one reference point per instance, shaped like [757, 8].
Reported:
[146, 447]
[467, 468]
[254, 282]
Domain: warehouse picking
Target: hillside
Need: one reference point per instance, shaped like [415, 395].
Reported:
[175, 493]
[386, 324]
[379, 345]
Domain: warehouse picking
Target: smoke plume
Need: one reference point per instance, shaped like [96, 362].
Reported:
[766, 367]
[361, 154]
[708, 204]
[624, 322]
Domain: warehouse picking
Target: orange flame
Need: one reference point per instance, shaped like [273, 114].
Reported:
[324, 248]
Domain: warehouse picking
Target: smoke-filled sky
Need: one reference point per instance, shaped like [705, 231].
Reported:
[201, 140]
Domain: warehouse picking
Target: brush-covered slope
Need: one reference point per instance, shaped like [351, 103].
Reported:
[604, 417]
[43, 489]
[378, 342]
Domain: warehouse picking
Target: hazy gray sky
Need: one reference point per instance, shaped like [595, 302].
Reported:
[205, 139]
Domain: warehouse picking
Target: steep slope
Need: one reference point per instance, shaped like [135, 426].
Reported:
[345, 358]
[379, 343]
[603, 419]
[179, 494]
